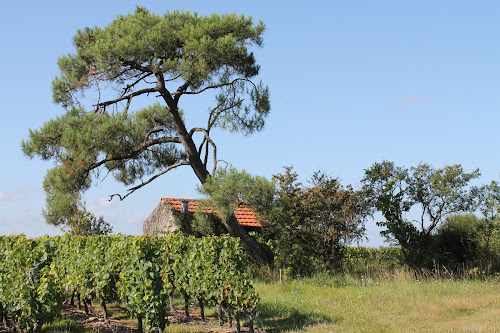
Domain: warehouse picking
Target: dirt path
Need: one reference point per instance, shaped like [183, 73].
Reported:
[116, 326]
[96, 323]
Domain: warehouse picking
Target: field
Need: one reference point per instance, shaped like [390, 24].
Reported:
[396, 303]
[400, 305]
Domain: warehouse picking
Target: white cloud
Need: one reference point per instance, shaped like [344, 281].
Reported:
[135, 217]
[28, 223]
[106, 203]
[413, 100]
[18, 194]
[100, 205]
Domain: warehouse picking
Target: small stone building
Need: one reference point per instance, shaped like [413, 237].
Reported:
[164, 218]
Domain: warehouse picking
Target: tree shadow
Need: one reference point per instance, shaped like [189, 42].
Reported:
[281, 318]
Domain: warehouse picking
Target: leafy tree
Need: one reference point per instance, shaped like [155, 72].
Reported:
[144, 57]
[335, 213]
[489, 200]
[201, 223]
[285, 227]
[303, 225]
[489, 206]
[84, 223]
[310, 224]
[229, 187]
[436, 193]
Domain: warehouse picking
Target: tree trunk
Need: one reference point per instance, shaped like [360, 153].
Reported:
[186, 305]
[104, 308]
[139, 323]
[38, 327]
[238, 325]
[250, 322]
[85, 307]
[252, 247]
[233, 227]
[202, 307]
[3, 316]
[218, 307]
[171, 299]
[88, 303]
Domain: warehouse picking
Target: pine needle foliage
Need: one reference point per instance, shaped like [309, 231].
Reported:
[156, 59]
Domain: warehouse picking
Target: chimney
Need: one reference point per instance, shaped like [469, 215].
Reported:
[185, 207]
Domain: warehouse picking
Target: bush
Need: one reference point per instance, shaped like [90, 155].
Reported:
[468, 241]
[362, 259]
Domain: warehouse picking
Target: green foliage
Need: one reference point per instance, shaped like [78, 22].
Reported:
[84, 223]
[139, 270]
[29, 292]
[228, 187]
[469, 241]
[307, 225]
[364, 260]
[489, 200]
[214, 268]
[140, 286]
[437, 193]
[79, 140]
[198, 49]
[303, 226]
[205, 224]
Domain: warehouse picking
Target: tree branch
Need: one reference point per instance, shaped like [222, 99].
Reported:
[216, 115]
[136, 66]
[124, 97]
[135, 188]
[212, 87]
[208, 140]
[130, 86]
[146, 144]
[181, 90]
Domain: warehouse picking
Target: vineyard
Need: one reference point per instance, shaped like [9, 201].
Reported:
[142, 273]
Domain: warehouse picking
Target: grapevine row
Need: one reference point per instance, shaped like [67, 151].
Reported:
[142, 272]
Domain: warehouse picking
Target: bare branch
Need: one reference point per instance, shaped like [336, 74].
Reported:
[130, 86]
[135, 188]
[212, 87]
[146, 144]
[205, 160]
[227, 164]
[173, 79]
[129, 97]
[136, 66]
[209, 140]
[128, 103]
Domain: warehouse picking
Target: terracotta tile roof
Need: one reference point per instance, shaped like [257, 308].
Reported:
[244, 214]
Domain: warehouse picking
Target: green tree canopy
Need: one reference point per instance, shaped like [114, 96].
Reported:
[309, 224]
[304, 226]
[154, 59]
[434, 193]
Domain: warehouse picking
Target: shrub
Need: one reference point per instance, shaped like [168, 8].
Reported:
[468, 241]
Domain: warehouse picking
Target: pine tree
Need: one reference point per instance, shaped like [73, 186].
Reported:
[149, 57]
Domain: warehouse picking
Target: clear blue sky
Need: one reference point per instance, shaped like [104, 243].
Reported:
[352, 83]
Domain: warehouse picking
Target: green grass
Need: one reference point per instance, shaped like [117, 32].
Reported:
[63, 325]
[350, 304]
